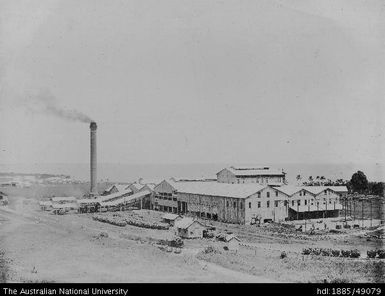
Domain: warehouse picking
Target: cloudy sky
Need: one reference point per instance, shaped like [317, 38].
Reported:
[193, 81]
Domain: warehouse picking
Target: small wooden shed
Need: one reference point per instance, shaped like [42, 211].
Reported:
[189, 228]
[171, 218]
[3, 199]
[232, 242]
[45, 205]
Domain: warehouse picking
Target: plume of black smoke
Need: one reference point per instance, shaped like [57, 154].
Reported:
[45, 102]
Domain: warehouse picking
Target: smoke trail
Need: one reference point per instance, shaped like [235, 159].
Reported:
[45, 102]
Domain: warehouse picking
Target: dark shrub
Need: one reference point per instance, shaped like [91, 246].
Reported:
[355, 254]
[316, 251]
[371, 253]
[345, 253]
[381, 254]
[336, 253]
[283, 255]
[306, 251]
[326, 252]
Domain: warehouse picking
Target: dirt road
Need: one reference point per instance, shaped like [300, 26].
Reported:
[44, 247]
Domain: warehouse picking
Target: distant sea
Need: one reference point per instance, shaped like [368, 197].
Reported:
[132, 172]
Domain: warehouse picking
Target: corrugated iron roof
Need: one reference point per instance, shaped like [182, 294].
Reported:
[125, 199]
[315, 190]
[288, 189]
[255, 171]
[217, 189]
[65, 205]
[186, 223]
[170, 216]
[63, 198]
[45, 203]
[229, 237]
[339, 189]
[87, 201]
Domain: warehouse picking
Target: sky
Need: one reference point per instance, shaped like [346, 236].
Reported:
[189, 81]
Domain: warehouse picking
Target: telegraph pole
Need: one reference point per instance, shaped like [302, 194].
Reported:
[354, 210]
[362, 213]
[371, 214]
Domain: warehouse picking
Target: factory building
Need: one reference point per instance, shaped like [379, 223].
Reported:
[258, 175]
[115, 189]
[246, 203]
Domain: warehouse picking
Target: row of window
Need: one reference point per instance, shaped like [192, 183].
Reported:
[276, 203]
[165, 194]
[168, 209]
[258, 181]
[234, 204]
[168, 197]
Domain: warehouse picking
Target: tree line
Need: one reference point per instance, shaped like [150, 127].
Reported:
[357, 184]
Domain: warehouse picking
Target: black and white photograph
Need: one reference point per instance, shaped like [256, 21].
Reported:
[192, 141]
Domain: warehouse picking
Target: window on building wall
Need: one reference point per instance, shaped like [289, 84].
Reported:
[300, 193]
[326, 192]
[227, 203]
[259, 204]
[305, 202]
[259, 194]
[249, 205]
[299, 202]
[267, 194]
[235, 204]
[241, 205]
[268, 204]
[304, 193]
[292, 203]
[330, 201]
[276, 203]
[285, 203]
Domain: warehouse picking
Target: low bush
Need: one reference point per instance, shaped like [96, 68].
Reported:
[326, 252]
[283, 255]
[306, 251]
[345, 253]
[211, 249]
[355, 254]
[336, 253]
[316, 251]
[371, 253]
[381, 254]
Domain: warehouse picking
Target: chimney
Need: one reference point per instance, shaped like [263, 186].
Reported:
[93, 189]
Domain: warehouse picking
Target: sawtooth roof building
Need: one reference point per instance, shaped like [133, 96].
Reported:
[247, 203]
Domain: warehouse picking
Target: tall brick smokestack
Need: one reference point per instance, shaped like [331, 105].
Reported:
[93, 164]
